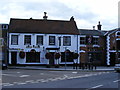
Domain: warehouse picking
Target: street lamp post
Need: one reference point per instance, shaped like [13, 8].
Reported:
[117, 61]
[65, 57]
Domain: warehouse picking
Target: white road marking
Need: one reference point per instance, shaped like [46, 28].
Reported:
[75, 72]
[15, 82]
[8, 75]
[116, 81]
[21, 83]
[41, 73]
[53, 79]
[86, 75]
[18, 72]
[40, 80]
[24, 75]
[65, 76]
[7, 84]
[58, 78]
[45, 81]
[35, 82]
[97, 86]
[4, 83]
[29, 81]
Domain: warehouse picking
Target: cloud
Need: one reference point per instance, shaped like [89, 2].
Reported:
[86, 12]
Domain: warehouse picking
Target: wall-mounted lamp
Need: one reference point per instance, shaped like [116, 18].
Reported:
[33, 45]
[38, 46]
[43, 48]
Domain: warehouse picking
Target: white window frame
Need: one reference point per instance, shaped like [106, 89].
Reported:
[30, 40]
[84, 40]
[68, 42]
[95, 42]
[13, 40]
[54, 43]
[1, 42]
[40, 41]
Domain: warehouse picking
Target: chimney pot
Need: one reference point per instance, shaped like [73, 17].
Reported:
[45, 17]
[99, 26]
[72, 18]
[93, 27]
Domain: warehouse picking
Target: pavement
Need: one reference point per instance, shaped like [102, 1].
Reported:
[62, 68]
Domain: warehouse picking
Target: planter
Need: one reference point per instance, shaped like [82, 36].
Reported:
[48, 66]
[57, 55]
[48, 55]
[22, 54]
[57, 66]
[75, 55]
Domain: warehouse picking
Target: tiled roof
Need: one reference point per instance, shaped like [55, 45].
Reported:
[112, 31]
[91, 32]
[43, 26]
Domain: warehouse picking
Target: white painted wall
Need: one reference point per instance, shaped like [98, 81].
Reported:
[72, 48]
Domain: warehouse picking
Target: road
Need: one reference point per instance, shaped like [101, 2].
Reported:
[15, 78]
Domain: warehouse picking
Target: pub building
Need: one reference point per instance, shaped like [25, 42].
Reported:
[42, 41]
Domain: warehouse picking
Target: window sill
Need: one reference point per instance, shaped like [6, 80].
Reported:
[96, 46]
[82, 45]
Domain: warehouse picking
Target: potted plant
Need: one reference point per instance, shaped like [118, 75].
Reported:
[57, 56]
[48, 56]
[22, 54]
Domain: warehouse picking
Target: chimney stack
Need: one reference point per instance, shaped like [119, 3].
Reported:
[99, 26]
[72, 18]
[93, 27]
[45, 17]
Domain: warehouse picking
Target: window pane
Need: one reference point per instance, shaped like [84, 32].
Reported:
[51, 40]
[27, 40]
[66, 41]
[89, 40]
[95, 41]
[1, 41]
[14, 40]
[82, 40]
[39, 40]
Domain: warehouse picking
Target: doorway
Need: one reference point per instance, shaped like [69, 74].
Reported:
[32, 57]
[13, 58]
[51, 61]
[112, 59]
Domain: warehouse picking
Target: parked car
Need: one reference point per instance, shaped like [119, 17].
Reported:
[4, 66]
[117, 67]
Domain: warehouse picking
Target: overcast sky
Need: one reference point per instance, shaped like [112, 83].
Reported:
[87, 13]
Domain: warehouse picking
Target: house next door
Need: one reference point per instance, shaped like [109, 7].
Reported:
[13, 58]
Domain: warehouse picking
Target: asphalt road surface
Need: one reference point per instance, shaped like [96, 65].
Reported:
[15, 78]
